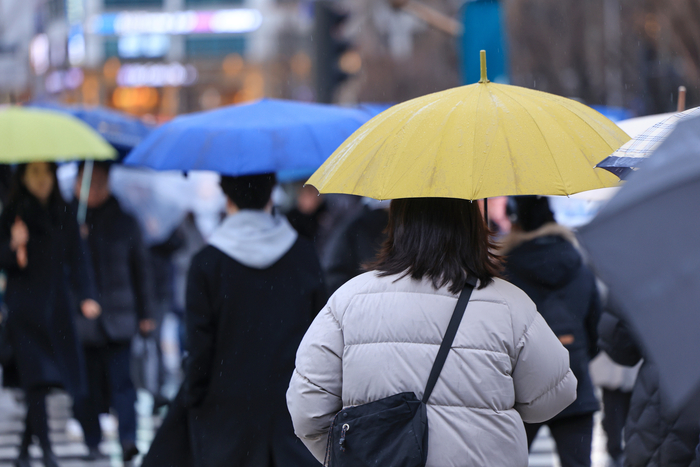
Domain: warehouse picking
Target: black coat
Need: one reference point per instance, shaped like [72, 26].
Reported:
[43, 299]
[654, 437]
[122, 278]
[355, 244]
[550, 270]
[243, 328]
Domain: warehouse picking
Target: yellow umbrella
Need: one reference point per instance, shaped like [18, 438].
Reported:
[33, 135]
[474, 142]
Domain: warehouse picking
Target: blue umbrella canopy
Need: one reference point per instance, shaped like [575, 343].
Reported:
[264, 136]
[122, 131]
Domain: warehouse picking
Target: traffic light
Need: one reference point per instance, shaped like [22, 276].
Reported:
[330, 48]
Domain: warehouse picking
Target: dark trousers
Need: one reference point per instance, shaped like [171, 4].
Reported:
[109, 378]
[36, 420]
[573, 435]
[616, 405]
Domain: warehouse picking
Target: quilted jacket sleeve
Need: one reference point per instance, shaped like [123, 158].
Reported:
[544, 383]
[315, 391]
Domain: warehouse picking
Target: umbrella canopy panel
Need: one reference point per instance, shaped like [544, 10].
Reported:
[633, 153]
[642, 244]
[33, 135]
[473, 142]
[265, 136]
[122, 131]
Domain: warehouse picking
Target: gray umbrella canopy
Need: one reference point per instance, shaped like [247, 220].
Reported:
[645, 246]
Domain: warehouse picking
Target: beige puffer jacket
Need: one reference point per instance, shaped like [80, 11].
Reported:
[378, 336]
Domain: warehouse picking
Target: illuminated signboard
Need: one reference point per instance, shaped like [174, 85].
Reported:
[58, 81]
[156, 75]
[182, 22]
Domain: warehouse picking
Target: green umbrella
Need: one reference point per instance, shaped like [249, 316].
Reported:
[33, 135]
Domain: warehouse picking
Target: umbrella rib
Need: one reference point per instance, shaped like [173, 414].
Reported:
[505, 136]
[545, 142]
[386, 189]
[439, 153]
[597, 133]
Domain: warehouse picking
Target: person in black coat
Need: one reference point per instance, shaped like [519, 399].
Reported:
[251, 294]
[654, 435]
[49, 282]
[542, 260]
[355, 244]
[123, 287]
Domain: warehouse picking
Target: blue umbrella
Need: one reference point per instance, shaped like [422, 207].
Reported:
[265, 136]
[122, 131]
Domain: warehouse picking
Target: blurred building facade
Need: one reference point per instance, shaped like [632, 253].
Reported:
[165, 57]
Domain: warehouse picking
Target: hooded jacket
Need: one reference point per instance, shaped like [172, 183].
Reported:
[378, 336]
[251, 295]
[546, 265]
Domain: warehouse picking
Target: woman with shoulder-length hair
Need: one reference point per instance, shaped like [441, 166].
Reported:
[379, 334]
[48, 281]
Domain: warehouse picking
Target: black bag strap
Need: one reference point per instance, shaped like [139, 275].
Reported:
[450, 334]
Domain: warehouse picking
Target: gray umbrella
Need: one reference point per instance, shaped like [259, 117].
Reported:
[644, 245]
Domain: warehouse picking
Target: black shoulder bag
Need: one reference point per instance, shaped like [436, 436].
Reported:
[391, 432]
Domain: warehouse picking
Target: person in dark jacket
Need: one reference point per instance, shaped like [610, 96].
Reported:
[355, 244]
[542, 260]
[123, 287]
[49, 282]
[654, 435]
[251, 295]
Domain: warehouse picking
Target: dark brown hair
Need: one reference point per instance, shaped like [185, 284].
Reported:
[18, 190]
[443, 239]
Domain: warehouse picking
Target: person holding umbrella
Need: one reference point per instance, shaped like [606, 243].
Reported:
[379, 333]
[434, 156]
[251, 295]
[49, 280]
[123, 287]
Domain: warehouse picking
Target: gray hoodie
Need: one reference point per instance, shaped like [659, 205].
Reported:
[254, 238]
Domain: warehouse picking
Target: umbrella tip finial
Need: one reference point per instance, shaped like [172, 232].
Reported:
[483, 79]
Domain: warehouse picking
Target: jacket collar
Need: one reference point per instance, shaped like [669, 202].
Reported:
[517, 237]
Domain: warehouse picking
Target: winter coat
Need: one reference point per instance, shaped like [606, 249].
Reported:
[546, 265]
[251, 295]
[378, 336]
[355, 244]
[122, 277]
[44, 298]
[654, 436]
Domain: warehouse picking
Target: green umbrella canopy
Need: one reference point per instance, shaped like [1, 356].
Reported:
[33, 135]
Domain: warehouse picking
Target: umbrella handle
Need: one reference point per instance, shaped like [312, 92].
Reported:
[85, 191]
[486, 212]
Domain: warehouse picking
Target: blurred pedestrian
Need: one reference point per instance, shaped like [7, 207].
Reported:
[616, 382]
[655, 436]
[49, 279]
[379, 333]
[356, 243]
[251, 294]
[192, 241]
[310, 217]
[123, 288]
[541, 259]
[148, 350]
